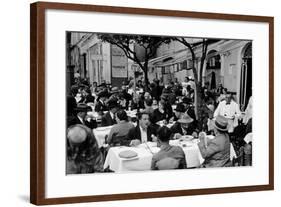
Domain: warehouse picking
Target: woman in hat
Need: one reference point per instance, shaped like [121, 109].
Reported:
[216, 152]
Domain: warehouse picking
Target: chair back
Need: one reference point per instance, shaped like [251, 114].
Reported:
[167, 163]
[120, 140]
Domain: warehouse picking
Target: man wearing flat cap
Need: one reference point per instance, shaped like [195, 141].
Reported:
[80, 117]
[83, 153]
[184, 126]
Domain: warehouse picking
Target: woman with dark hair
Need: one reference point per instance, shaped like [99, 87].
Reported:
[169, 157]
[118, 135]
[83, 153]
[161, 113]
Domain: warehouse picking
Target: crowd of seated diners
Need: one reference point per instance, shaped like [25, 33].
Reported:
[157, 106]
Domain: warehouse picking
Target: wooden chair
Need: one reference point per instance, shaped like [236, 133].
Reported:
[244, 156]
[119, 140]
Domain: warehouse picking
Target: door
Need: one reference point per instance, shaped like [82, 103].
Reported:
[246, 77]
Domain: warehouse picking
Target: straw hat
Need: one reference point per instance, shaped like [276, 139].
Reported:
[221, 123]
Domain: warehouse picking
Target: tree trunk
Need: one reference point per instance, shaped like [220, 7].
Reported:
[199, 104]
[145, 70]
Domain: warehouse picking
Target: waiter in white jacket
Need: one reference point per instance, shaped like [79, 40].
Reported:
[230, 110]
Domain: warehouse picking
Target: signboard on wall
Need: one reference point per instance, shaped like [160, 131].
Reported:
[119, 63]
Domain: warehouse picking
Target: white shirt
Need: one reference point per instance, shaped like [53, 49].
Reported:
[130, 91]
[112, 115]
[82, 121]
[228, 110]
[143, 135]
[183, 131]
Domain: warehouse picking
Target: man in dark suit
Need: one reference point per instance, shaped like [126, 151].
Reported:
[109, 118]
[178, 112]
[80, 117]
[100, 105]
[184, 126]
[88, 96]
[143, 132]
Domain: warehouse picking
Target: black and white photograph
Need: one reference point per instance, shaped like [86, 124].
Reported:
[143, 103]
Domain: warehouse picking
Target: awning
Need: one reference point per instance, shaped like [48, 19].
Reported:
[154, 61]
[170, 59]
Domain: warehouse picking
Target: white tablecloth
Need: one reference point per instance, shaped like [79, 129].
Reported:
[101, 132]
[145, 152]
[143, 161]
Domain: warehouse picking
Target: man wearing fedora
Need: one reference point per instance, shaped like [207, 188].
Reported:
[100, 104]
[114, 93]
[109, 118]
[216, 151]
[80, 117]
[184, 126]
[178, 112]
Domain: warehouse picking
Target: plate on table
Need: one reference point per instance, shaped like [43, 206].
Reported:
[186, 138]
[128, 154]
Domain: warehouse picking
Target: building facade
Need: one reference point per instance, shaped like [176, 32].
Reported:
[96, 60]
[228, 62]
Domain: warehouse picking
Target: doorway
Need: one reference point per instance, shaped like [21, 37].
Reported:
[246, 76]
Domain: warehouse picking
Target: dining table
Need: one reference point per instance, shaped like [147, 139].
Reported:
[101, 133]
[145, 151]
